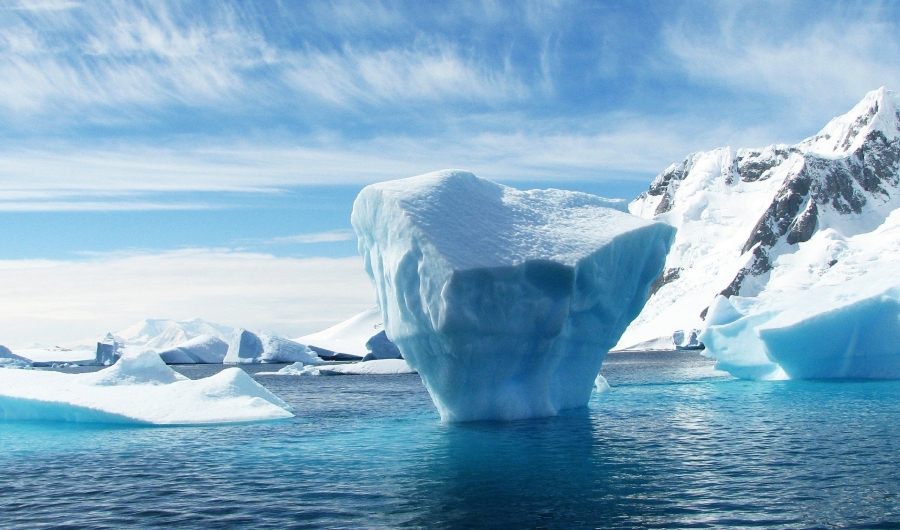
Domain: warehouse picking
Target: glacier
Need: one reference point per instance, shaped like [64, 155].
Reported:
[752, 220]
[140, 388]
[504, 301]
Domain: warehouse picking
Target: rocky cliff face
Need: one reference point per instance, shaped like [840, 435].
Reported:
[738, 212]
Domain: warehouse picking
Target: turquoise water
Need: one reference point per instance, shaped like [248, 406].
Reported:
[672, 444]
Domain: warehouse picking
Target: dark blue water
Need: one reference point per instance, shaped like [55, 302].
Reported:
[672, 444]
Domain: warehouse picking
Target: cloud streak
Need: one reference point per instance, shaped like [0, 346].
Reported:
[330, 236]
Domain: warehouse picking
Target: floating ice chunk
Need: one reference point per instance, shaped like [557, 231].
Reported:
[376, 367]
[381, 347]
[108, 350]
[248, 347]
[8, 359]
[504, 301]
[140, 388]
[203, 349]
[291, 369]
[687, 339]
[600, 384]
[58, 355]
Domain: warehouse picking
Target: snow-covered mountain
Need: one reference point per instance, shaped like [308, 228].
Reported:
[778, 217]
[162, 333]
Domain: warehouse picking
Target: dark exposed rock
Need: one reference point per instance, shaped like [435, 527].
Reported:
[804, 225]
[755, 165]
[667, 276]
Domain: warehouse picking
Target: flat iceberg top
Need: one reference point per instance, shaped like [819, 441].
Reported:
[139, 388]
[475, 223]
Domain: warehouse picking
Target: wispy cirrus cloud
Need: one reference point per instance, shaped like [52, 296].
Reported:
[817, 68]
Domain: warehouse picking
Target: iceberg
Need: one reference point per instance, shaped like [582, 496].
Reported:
[58, 355]
[202, 349]
[353, 339]
[140, 388]
[376, 367]
[838, 332]
[108, 350]
[504, 301]
[831, 313]
[247, 347]
[381, 347]
[8, 359]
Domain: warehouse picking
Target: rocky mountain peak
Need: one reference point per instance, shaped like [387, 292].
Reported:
[878, 112]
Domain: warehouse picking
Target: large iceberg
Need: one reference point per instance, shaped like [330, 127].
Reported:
[139, 388]
[850, 331]
[247, 347]
[505, 301]
[831, 310]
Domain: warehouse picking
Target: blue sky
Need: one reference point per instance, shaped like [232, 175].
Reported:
[234, 129]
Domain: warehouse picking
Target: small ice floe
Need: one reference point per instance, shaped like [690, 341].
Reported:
[377, 367]
[139, 388]
[600, 384]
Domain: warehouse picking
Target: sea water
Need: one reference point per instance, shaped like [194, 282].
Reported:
[672, 444]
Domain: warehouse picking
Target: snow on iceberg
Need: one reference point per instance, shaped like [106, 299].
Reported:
[840, 332]
[505, 301]
[139, 388]
[828, 311]
[355, 338]
[248, 347]
[202, 349]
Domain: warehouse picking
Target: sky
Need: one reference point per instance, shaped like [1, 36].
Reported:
[180, 159]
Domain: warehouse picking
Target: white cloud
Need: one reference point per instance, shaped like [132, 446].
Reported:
[57, 301]
[329, 236]
[435, 72]
[119, 54]
[98, 206]
[821, 69]
[624, 146]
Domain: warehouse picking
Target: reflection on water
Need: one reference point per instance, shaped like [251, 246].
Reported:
[672, 444]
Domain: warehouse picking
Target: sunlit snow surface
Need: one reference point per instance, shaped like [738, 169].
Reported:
[139, 388]
[504, 301]
[816, 320]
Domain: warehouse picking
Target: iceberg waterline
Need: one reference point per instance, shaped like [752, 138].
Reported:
[504, 301]
[139, 388]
